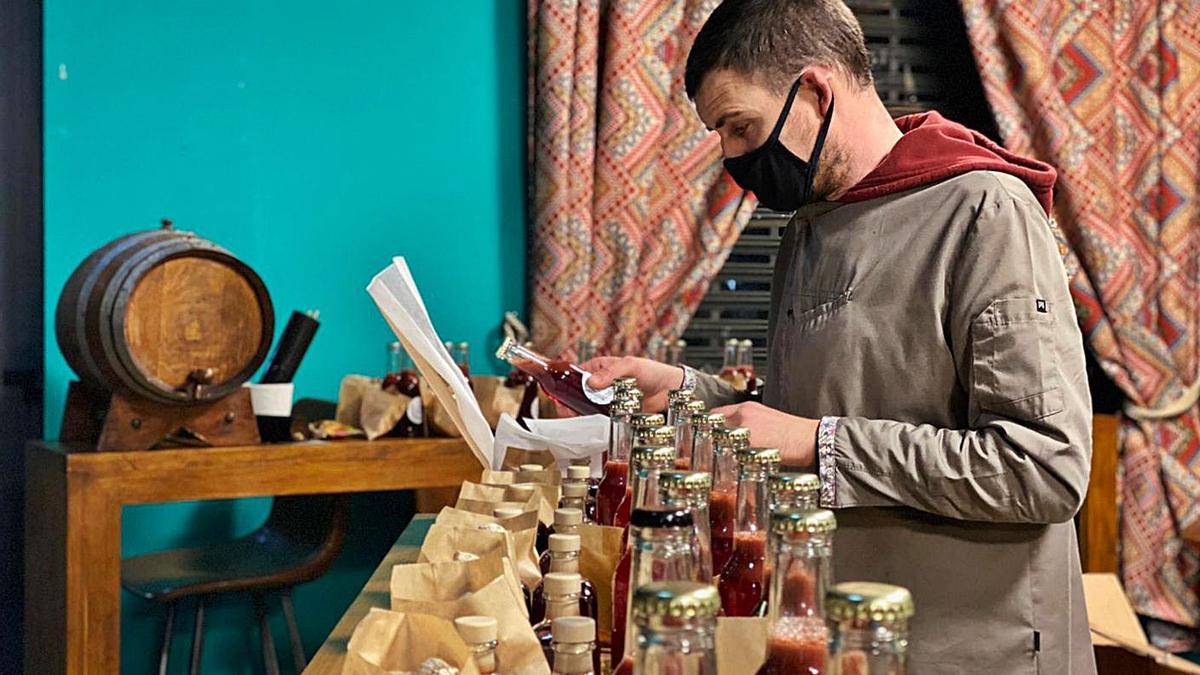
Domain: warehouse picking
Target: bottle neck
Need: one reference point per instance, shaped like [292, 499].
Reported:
[725, 471]
[645, 488]
[662, 554]
[683, 438]
[558, 606]
[752, 500]
[674, 415]
[622, 438]
[800, 574]
[573, 503]
[871, 648]
[522, 356]
[689, 646]
[573, 658]
[564, 561]
[485, 657]
[794, 500]
[730, 358]
[561, 528]
[702, 450]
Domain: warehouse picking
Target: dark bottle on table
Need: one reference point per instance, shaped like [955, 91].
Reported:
[564, 553]
[722, 507]
[801, 573]
[574, 646]
[564, 382]
[742, 578]
[561, 591]
[402, 379]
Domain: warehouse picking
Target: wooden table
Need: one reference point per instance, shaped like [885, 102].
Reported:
[73, 501]
[328, 659]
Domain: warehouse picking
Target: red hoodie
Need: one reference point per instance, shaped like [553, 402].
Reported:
[933, 149]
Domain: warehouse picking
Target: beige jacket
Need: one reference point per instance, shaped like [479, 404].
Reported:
[937, 326]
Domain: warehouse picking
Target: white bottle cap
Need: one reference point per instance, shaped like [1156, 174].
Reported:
[477, 629]
[568, 517]
[579, 472]
[531, 467]
[573, 629]
[562, 583]
[575, 490]
[565, 542]
[506, 512]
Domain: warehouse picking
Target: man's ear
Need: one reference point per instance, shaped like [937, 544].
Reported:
[819, 80]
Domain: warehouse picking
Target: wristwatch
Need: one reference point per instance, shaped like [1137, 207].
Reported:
[689, 378]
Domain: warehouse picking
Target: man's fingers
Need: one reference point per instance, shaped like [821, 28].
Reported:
[607, 369]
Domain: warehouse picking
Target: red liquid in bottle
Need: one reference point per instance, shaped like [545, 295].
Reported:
[563, 382]
[626, 666]
[621, 602]
[613, 487]
[722, 517]
[407, 383]
[791, 656]
[742, 578]
[683, 463]
[800, 590]
[625, 509]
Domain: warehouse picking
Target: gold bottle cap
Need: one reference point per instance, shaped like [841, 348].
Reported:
[865, 601]
[731, 437]
[693, 406]
[625, 383]
[624, 405]
[663, 435]
[675, 599]
[621, 394]
[684, 484]
[793, 485]
[652, 457]
[811, 521]
[764, 457]
[677, 397]
[647, 420]
[708, 420]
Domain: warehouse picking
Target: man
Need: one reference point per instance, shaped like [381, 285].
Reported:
[925, 359]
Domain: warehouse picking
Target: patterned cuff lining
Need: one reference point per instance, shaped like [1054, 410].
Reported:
[826, 436]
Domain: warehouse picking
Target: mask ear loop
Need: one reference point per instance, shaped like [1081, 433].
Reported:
[783, 114]
[815, 159]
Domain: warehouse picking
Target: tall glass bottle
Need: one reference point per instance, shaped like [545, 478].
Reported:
[730, 371]
[683, 430]
[675, 352]
[463, 357]
[676, 629]
[574, 646]
[800, 575]
[561, 592]
[676, 400]
[745, 359]
[578, 481]
[615, 482]
[402, 378]
[742, 577]
[702, 452]
[660, 550]
[647, 462]
[722, 509]
[691, 490]
[481, 633]
[566, 521]
[564, 551]
[574, 496]
[564, 382]
[793, 491]
[869, 624]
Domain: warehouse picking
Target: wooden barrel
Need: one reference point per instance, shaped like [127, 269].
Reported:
[165, 316]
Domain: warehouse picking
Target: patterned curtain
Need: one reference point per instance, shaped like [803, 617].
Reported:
[633, 213]
[1109, 92]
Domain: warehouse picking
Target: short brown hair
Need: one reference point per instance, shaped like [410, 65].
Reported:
[776, 39]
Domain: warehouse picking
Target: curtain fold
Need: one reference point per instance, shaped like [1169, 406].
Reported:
[633, 213]
[1110, 94]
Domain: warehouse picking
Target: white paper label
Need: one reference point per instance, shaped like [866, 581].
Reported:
[598, 396]
[415, 411]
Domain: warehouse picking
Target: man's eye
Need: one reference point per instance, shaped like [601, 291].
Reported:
[740, 130]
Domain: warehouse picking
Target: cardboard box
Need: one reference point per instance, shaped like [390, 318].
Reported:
[1121, 646]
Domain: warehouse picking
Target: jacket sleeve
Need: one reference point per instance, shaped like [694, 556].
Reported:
[1025, 454]
[716, 392]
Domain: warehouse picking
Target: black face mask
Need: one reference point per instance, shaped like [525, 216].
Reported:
[781, 180]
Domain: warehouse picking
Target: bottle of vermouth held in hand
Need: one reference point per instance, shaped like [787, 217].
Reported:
[802, 571]
[742, 578]
[793, 491]
[566, 521]
[645, 464]
[561, 591]
[402, 379]
[690, 490]
[683, 431]
[574, 646]
[615, 482]
[722, 508]
[481, 633]
[660, 550]
[519, 379]
[702, 451]
[869, 628]
[676, 400]
[564, 382]
[676, 629]
[564, 558]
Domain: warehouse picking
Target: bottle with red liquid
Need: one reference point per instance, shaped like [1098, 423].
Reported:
[731, 371]
[676, 400]
[566, 521]
[646, 463]
[745, 359]
[801, 572]
[660, 550]
[793, 491]
[402, 379]
[742, 578]
[869, 628]
[683, 430]
[615, 482]
[481, 633]
[463, 357]
[564, 382]
[691, 491]
[722, 507]
[564, 558]
[676, 629]
[519, 379]
[574, 646]
[702, 451]
[561, 591]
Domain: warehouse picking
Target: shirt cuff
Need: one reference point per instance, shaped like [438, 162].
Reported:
[826, 435]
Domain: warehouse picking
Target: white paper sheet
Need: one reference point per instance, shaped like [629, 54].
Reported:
[395, 293]
[566, 439]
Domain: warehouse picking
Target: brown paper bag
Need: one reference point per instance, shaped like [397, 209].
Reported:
[350, 398]
[548, 476]
[523, 529]
[443, 541]
[381, 411]
[389, 642]
[542, 498]
[440, 422]
[597, 563]
[741, 645]
[519, 652]
[515, 457]
[495, 398]
[445, 581]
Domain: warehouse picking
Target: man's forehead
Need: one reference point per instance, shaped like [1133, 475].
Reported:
[719, 91]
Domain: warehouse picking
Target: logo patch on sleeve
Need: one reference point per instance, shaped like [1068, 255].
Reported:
[1041, 306]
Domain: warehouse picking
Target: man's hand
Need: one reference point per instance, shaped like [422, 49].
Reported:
[796, 437]
[654, 379]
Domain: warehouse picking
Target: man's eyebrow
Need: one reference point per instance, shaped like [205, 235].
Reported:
[723, 119]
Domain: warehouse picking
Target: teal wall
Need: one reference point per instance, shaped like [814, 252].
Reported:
[314, 140]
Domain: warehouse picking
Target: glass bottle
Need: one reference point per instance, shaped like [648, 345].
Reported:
[730, 372]
[566, 521]
[564, 551]
[676, 629]
[722, 507]
[615, 482]
[745, 360]
[675, 352]
[561, 591]
[574, 496]
[464, 359]
[683, 430]
[564, 382]
[574, 646]
[646, 463]
[793, 491]
[869, 628]
[518, 378]
[402, 378]
[660, 550]
[701, 451]
[691, 490]
[481, 633]
[593, 482]
[742, 577]
[801, 573]
[676, 399]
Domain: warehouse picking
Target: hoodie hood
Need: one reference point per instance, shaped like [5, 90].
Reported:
[933, 149]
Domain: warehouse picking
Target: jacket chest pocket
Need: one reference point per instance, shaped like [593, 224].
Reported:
[1013, 359]
[811, 310]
